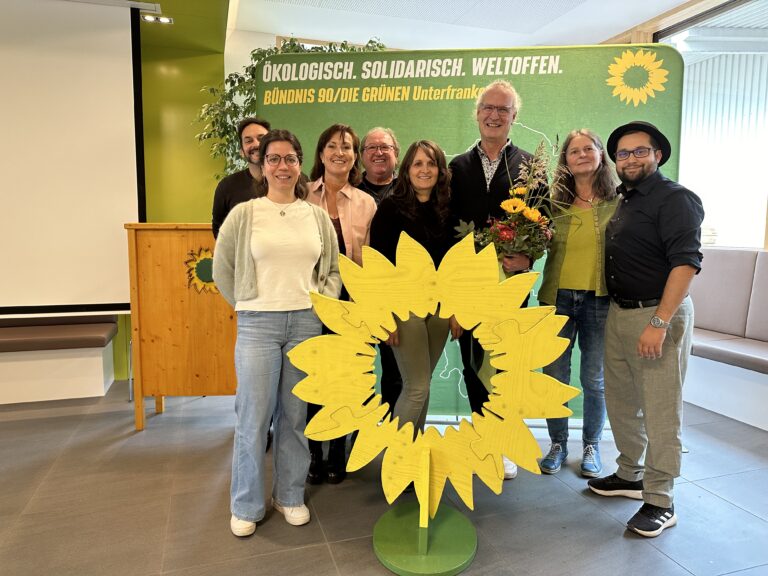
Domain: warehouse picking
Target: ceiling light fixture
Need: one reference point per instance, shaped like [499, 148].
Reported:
[159, 19]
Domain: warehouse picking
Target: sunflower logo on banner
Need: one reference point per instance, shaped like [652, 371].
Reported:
[200, 271]
[636, 76]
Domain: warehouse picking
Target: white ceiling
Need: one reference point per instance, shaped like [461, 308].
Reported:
[143, 6]
[433, 24]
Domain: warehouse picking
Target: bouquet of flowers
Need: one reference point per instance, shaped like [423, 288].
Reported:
[527, 225]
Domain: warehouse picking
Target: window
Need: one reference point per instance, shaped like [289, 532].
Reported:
[723, 148]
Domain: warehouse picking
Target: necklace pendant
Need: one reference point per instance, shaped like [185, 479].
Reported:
[282, 212]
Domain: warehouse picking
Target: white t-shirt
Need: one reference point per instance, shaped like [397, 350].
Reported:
[285, 247]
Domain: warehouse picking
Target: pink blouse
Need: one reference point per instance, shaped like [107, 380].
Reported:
[356, 210]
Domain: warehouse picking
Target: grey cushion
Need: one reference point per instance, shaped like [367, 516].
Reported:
[722, 289]
[700, 335]
[743, 352]
[757, 318]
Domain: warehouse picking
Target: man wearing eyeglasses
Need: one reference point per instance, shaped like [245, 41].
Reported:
[653, 251]
[480, 180]
[379, 151]
[245, 184]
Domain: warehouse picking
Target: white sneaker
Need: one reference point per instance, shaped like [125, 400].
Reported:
[294, 515]
[510, 469]
[241, 527]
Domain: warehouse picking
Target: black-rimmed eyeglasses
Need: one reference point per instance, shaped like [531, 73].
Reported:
[640, 152]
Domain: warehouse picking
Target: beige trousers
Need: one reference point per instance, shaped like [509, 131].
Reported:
[644, 398]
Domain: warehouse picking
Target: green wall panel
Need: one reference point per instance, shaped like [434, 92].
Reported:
[179, 171]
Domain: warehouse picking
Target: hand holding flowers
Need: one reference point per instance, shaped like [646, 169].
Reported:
[526, 227]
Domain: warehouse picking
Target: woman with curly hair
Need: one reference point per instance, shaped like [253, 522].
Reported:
[419, 206]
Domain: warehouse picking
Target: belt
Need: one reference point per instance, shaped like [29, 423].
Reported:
[623, 303]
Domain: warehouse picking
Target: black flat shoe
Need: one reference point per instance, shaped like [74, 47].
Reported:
[337, 461]
[316, 473]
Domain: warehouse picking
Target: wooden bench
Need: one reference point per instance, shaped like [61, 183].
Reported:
[53, 358]
[728, 370]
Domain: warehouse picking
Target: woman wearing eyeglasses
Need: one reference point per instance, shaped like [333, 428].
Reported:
[584, 199]
[334, 175]
[420, 207]
[270, 254]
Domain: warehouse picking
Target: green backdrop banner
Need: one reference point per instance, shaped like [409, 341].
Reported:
[431, 94]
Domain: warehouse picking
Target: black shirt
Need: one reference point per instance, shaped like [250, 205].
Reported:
[231, 190]
[656, 227]
[426, 229]
[471, 199]
[378, 191]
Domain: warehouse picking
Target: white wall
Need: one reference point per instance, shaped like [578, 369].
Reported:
[67, 153]
[240, 43]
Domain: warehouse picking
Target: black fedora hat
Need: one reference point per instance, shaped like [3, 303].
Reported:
[639, 126]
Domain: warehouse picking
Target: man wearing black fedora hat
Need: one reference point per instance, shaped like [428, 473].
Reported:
[652, 252]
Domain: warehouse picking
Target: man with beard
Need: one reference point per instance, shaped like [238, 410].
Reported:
[652, 250]
[243, 185]
[480, 180]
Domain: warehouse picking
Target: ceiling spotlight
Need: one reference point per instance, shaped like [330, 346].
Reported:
[159, 19]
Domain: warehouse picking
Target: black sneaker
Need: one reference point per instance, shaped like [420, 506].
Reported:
[614, 486]
[651, 520]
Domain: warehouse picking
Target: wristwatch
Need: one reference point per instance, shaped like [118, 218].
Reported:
[657, 322]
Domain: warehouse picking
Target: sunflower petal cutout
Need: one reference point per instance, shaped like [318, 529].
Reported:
[339, 368]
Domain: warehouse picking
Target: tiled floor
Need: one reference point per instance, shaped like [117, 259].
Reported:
[82, 494]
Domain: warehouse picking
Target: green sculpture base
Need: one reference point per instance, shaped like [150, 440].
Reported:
[447, 547]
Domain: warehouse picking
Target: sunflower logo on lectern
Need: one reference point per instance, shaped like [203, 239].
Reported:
[200, 271]
[636, 76]
[340, 376]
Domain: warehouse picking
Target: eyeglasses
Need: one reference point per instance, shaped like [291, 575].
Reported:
[640, 152]
[274, 159]
[382, 148]
[490, 109]
[574, 152]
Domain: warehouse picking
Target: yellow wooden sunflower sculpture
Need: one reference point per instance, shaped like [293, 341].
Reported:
[340, 377]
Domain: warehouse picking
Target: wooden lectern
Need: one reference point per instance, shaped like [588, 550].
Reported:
[183, 331]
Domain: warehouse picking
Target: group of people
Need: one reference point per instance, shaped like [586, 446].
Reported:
[618, 268]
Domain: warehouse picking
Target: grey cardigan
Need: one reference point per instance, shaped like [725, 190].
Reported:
[234, 270]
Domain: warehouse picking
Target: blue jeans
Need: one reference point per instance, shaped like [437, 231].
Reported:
[265, 381]
[586, 320]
